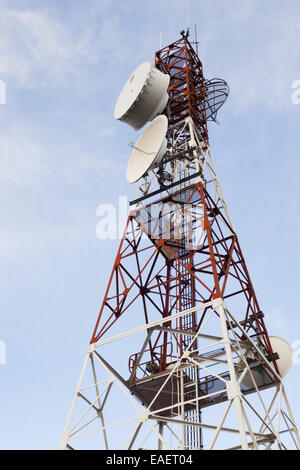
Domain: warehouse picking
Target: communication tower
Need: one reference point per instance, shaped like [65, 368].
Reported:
[180, 356]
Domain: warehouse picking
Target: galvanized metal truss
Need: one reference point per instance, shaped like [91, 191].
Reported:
[180, 330]
[174, 271]
[245, 417]
[168, 242]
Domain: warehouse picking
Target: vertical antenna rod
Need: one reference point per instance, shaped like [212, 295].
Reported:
[196, 39]
[187, 14]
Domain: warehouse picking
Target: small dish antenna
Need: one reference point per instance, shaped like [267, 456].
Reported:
[149, 149]
[143, 97]
[285, 353]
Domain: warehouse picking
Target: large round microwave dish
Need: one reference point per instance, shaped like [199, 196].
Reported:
[285, 353]
[149, 149]
[143, 97]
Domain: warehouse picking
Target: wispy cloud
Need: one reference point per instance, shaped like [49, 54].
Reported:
[241, 11]
[33, 161]
[276, 322]
[32, 42]
[35, 42]
[263, 58]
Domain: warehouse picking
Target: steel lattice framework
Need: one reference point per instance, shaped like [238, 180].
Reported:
[158, 273]
[180, 330]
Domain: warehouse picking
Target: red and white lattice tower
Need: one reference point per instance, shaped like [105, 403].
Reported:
[180, 356]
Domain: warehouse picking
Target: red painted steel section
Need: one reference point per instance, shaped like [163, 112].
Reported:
[186, 89]
[151, 277]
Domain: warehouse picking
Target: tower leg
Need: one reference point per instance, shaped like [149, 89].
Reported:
[64, 441]
[151, 424]
[233, 388]
[161, 432]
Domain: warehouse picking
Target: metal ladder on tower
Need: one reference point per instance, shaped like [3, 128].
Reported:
[192, 434]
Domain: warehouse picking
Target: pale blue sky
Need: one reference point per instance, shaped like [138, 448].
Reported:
[62, 154]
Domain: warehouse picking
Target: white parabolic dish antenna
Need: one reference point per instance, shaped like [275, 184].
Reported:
[143, 97]
[149, 149]
[285, 353]
[284, 350]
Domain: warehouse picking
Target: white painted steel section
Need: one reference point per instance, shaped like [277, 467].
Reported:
[143, 97]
